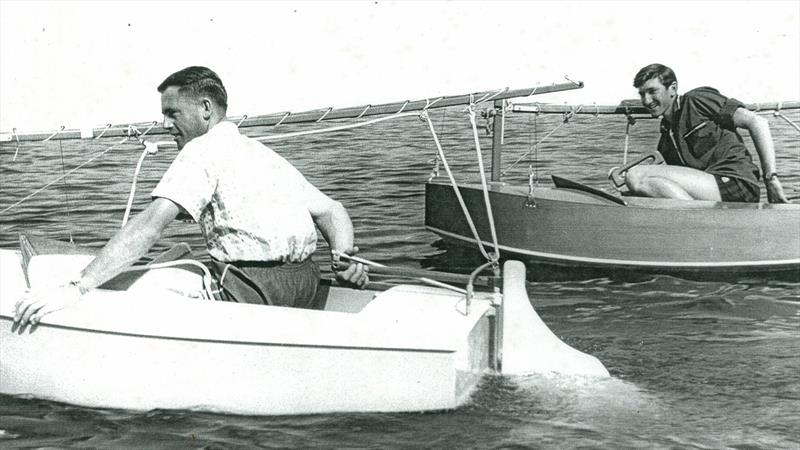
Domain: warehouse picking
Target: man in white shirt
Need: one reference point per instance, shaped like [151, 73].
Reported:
[255, 210]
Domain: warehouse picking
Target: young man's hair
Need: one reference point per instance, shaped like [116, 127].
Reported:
[197, 81]
[665, 75]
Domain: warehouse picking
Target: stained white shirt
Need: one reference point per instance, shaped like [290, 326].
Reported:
[250, 203]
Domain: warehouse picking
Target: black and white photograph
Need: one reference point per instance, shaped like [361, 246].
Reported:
[400, 224]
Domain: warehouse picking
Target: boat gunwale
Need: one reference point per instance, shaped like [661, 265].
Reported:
[633, 264]
[632, 201]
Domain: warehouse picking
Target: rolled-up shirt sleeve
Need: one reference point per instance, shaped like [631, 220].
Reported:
[707, 103]
[188, 182]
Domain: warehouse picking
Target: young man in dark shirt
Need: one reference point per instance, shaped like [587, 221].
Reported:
[706, 158]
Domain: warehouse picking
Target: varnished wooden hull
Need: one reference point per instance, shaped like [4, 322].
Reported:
[576, 228]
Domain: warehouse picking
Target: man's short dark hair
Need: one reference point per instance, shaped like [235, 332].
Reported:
[665, 75]
[197, 81]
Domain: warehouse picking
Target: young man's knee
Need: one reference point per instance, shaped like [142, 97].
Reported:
[634, 179]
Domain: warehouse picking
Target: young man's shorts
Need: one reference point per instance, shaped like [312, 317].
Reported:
[737, 190]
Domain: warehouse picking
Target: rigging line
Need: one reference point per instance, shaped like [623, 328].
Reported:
[54, 134]
[14, 131]
[489, 96]
[535, 146]
[149, 149]
[777, 113]
[275, 137]
[483, 182]
[108, 126]
[630, 122]
[38, 191]
[66, 190]
[456, 190]
[437, 160]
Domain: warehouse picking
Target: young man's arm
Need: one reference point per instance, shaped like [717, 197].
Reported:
[758, 127]
[126, 247]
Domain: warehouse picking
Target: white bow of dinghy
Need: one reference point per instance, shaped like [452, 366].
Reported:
[528, 345]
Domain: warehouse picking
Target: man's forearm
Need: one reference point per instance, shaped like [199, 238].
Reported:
[129, 244]
[336, 228]
[762, 139]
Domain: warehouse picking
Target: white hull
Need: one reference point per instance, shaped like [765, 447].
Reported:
[120, 350]
[409, 348]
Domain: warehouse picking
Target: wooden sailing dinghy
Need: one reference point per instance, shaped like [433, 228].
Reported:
[576, 226]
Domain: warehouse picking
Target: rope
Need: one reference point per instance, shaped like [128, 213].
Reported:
[14, 132]
[489, 96]
[503, 123]
[631, 122]
[567, 117]
[777, 113]
[325, 115]
[276, 137]
[455, 187]
[533, 170]
[364, 112]
[66, 189]
[288, 113]
[429, 103]
[484, 183]
[54, 134]
[403, 107]
[209, 292]
[149, 148]
[108, 125]
[36, 192]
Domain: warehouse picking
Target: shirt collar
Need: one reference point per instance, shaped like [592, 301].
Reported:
[666, 124]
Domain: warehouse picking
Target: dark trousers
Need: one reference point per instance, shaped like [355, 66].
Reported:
[267, 283]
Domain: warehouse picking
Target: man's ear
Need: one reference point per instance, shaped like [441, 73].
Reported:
[206, 108]
[673, 88]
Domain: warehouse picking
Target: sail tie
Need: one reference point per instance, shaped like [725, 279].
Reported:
[108, 126]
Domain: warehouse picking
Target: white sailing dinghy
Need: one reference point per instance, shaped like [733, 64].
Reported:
[149, 339]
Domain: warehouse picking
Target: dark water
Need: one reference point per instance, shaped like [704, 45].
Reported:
[695, 364]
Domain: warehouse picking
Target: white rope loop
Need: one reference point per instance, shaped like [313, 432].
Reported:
[207, 278]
